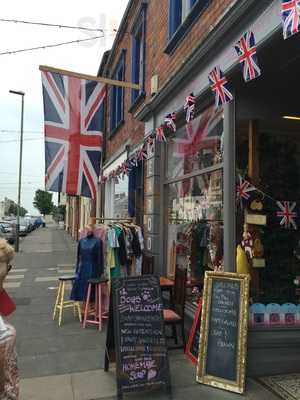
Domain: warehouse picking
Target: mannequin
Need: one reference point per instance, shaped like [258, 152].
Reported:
[89, 263]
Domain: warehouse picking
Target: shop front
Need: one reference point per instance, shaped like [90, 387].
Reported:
[195, 216]
[267, 138]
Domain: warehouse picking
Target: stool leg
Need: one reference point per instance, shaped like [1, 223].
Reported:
[96, 303]
[61, 303]
[57, 300]
[99, 313]
[78, 310]
[87, 304]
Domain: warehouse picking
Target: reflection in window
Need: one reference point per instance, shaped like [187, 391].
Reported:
[121, 198]
[195, 227]
[197, 145]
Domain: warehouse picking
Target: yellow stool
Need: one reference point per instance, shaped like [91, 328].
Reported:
[61, 303]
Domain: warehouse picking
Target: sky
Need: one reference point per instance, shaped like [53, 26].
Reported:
[20, 72]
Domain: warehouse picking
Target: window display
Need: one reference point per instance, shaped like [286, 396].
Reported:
[267, 219]
[195, 224]
[194, 188]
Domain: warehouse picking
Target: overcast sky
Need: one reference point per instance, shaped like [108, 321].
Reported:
[20, 72]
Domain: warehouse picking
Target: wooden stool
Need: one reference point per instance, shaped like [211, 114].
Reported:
[98, 313]
[61, 303]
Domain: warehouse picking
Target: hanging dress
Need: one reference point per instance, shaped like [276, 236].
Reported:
[89, 266]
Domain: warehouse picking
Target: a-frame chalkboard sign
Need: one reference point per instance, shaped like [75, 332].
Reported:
[136, 335]
[223, 332]
[192, 347]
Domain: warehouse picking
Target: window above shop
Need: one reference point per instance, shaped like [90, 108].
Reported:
[138, 56]
[117, 96]
[182, 15]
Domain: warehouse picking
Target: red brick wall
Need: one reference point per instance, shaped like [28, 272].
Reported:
[164, 65]
[157, 62]
[132, 128]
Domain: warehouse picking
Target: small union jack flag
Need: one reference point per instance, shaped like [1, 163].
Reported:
[142, 154]
[290, 11]
[218, 84]
[246, 51]
[189, 107]
[287, 214]
[124, 169]
[103, 179]
[150, 144]
[243, 189]
[133, 160]
[170, 121]
[160, 134]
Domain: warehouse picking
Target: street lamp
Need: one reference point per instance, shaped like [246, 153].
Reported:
[20, 170]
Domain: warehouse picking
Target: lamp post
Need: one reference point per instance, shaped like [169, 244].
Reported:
[22, 94]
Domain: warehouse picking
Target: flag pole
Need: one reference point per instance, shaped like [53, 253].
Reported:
[108, 81]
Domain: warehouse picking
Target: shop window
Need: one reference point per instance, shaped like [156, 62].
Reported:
[117, 96]
[197, 145]
[138, 56]
[136, 193]
[116, 198]
[182, 15]
[195, 224]
[268, 155]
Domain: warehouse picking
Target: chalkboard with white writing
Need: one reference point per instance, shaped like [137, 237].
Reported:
[222, 352]
[140, 342]
[223, 330]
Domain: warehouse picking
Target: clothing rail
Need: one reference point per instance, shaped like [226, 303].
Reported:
[114, 219]
[196, 220]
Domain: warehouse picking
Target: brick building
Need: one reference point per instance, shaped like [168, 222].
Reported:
[186, 197]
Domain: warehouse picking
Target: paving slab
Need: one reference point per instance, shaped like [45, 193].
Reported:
[94, 384]
[11, 285]
[49, 388]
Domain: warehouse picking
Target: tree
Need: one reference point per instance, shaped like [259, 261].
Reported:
[59, 213]
[43, 202]
[13, 209]
[23, 212]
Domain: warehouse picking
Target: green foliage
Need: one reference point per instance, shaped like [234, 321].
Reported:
[43, 202]
[13, 209]
[59, 213]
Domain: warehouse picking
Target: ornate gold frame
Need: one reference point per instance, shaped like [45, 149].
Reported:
[237, 386]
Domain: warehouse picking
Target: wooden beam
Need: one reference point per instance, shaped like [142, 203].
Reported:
[89, 77]
[253, 155]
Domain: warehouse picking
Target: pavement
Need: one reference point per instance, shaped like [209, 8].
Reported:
[66, 363]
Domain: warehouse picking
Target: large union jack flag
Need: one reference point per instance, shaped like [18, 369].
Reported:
[219, 85]
[73, 110]
[246, 51]
[290, 10]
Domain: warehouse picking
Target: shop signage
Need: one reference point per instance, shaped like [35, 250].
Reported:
[139, 335]
[192, 348]
[223, 333]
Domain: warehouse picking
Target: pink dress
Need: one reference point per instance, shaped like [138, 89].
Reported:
[8, 357]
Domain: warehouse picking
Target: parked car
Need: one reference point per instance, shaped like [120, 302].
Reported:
[7, 226]
[23, 230]
[39, 222]
[4, 234]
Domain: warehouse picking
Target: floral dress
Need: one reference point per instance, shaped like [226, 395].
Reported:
[9, 388]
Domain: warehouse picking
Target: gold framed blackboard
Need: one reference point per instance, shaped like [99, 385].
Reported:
[223, 331]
